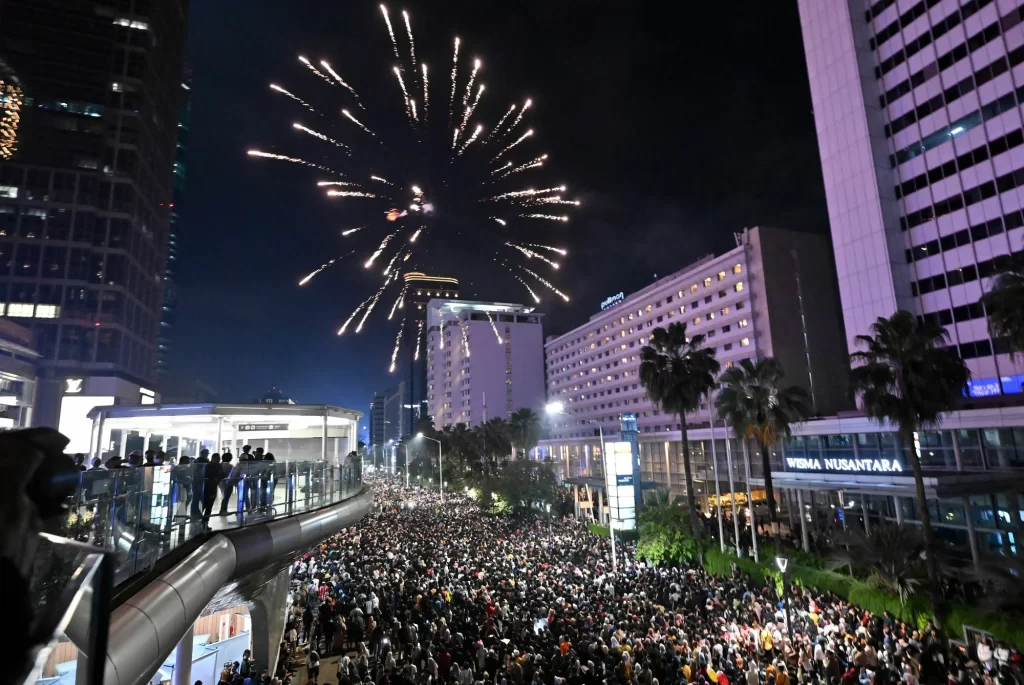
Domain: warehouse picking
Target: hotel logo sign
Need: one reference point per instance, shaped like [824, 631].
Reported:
[844, 465]
[612, 301]
[73, 386]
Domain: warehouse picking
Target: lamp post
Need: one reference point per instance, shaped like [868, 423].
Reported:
[553, 408]
[406, 446]
[783, 563]
[440, 467]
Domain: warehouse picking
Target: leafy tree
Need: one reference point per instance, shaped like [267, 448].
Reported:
[1004, 305]
[676, 371]
[906, 376]
[524, 430]
[754, 401]
[521, 485]
[663, 532]
[892, 557]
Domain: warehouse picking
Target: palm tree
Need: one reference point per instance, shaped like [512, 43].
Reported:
[524, 430]
[676, 371]
[1004, 305]
[892, 556]
[753, 400]
[906, 376]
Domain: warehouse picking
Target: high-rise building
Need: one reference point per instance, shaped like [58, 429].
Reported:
[918, 109]
[169, 315]
[420, 289]
[484, 360]
[773, 295]
[85, 198]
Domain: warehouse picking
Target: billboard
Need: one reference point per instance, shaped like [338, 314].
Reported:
[621, 488]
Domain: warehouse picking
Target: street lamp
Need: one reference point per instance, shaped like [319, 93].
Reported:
[440, 467]
[553, 408]
[783, 563]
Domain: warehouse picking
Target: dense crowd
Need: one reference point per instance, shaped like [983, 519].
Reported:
[425, 593]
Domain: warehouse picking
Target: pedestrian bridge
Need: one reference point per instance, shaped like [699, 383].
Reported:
[145, 551]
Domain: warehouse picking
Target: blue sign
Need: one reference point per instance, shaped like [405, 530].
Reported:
[984, 387]
[839, 514]
[1013, 384]
[624, 480]
[613, 300]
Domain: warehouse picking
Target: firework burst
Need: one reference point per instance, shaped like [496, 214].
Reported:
[413, 190]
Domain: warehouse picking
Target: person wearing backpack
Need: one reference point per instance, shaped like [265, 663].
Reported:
[313, 665]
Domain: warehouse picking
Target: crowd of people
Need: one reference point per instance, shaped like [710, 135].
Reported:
[428, 593]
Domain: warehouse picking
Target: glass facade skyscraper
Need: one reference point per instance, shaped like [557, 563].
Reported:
[86, 198]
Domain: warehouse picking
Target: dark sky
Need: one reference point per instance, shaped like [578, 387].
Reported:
[675, 124]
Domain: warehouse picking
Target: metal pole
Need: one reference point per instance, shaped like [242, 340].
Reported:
[718, 491]
[750, 501]
[440, 469]
[732, 489]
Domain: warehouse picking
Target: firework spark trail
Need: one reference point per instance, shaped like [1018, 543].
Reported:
[391, 264]
[545, 282]
[315, 70]
[398, 342]
[465, 337]
[350, 231]
[384, 244]
[476, 101]
[512, 145]
[494, 328]
[416, 235]
[293, 160]
[469, 141]
[549, 217]
[526, 285]
[466, 110]
[533, 164]
[391, 31]
[500, 221]
[278, 89]
[426, 92]
[504, 166]
[455, 71]
[532, 254]
[412, 106]
[412, 43]
[519, 118]
[350, 89]
[357, 122]
[341, 331]
[549, 247]
[373, 303]
[321, 136]
[349, 184]
[313, 273]
[552, 201]
[382, 180]
[419, 338]
[501, 121]
[348, 193]
[401, 297]
[529, 192]
[401, 82]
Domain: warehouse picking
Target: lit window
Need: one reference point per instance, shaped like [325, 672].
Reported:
[642, 341]
[721, 275]
[9, 191]
[742, 323]
[116, 87]
[647, 309]
[737, 269]
[682, 310]
[20, 309]
[680, 293]
[47, 311]
[725, 310]
[707, 282]
[738, 287]
[728, 365]
[711, 315]
[696, 321]
[131, 23]
[745, 342]
[693, 288]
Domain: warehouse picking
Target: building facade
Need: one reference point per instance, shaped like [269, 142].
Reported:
[918, 109]
[484, 360]
[85, 197]
[772, 295]
[420, 290]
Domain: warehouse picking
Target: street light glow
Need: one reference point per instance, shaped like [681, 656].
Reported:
[782, 563]
[419, 435]
[554, 408]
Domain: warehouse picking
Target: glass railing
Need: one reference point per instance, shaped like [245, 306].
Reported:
[142, 514]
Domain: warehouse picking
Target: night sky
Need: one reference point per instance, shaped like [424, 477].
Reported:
[676, 125]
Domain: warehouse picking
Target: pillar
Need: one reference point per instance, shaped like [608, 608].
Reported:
[867, 514]
[718, 487]
[804, 533]
[220, 436]
[323, 437]
[956, 451]
[732, 490]
[668, 472]
[576, 500]
[267, 610]
[590, 499]
[899, 509]
[750, 501]
[183, 659]
[789, 509]
[973, 538]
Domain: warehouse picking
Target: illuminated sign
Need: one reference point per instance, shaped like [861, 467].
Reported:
[253, 427]
[844, 465]
[991, 387]
[620, 485]
[1013, 384]
[73, 386]
[613, 300]
[147, 396]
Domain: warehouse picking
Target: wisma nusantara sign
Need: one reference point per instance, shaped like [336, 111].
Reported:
[844, 465]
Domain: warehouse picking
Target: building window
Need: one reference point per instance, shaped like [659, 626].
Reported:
[725, 310]
[745, 342]
[743, 323]
[738, 287]
[693, 288]
[737, 269]
[696, 321]
[707, 282]
[721, 275]
[727, 347]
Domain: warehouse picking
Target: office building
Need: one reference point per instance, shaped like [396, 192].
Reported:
[387, 416]
[420, 289]
[85, 195]
[484, 360]
[772, 295]
[918, 109]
